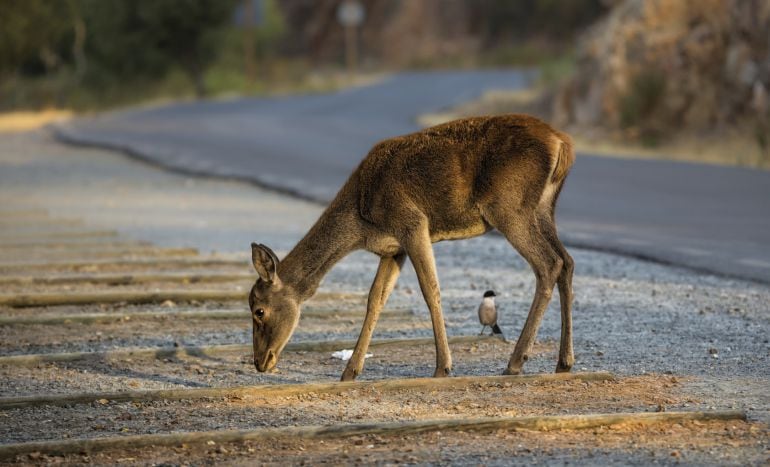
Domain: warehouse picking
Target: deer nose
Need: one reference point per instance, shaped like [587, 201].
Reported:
[266, 363]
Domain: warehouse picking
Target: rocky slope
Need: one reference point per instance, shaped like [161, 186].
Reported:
[654, 66]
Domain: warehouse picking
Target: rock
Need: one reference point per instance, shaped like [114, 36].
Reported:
[651, 66]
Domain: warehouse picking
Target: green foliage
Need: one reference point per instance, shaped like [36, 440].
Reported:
[145, 38]
[120, 42]
[555, 69]
[32, 33]
[269, 34]
[129, 50]
[241, 46]
[762, 135]
[52, 51]
[639, 106]
[99, 53]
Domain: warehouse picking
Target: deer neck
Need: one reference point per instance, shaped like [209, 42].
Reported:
[336, 234]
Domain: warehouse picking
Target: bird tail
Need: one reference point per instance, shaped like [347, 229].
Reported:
[496, 329]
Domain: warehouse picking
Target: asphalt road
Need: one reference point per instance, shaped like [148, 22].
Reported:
[705, 217]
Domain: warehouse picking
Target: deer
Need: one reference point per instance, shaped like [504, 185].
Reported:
[453, 181]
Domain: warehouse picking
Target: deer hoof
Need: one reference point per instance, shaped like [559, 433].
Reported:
[349, 375]
[442, 372]
[512, 371]
[562, 368]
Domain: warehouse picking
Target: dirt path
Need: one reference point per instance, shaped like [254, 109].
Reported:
[675, 340]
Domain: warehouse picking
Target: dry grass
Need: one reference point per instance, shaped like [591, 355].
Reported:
[30, 120]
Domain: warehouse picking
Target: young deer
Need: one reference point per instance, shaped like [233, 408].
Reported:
[456, 180]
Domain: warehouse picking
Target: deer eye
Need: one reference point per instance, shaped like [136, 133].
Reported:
[259, 313]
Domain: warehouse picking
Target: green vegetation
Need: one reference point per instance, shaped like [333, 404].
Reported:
[639, 106]
[555, 69]
[149, 38]
[95, 54]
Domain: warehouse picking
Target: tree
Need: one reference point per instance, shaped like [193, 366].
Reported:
[32, 33]
[144, 38]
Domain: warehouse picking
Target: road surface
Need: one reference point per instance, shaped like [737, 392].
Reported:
[705, 217]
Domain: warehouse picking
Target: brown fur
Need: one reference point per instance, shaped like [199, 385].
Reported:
[456, 180]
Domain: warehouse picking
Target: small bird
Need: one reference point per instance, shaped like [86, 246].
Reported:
[488, 314]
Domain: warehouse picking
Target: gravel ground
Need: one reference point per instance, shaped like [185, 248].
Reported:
[237, 368]
[244, 286]
[168, 331]
[358, 406]
[694, 444]
[633, 318]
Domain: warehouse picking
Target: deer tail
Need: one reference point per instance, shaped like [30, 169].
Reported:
[565, 157]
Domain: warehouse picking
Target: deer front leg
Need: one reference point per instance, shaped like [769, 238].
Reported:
[420, 252]
[383, 284]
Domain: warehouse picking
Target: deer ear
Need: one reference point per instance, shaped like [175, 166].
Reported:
[265, 262]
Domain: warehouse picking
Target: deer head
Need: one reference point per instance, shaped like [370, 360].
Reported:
[274, 309]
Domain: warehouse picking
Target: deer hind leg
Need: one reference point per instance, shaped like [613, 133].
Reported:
[420, 250]
[566, 354]
[524, 234]
[384, 281]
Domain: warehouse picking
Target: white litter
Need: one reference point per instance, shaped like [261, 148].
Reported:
[345, 354]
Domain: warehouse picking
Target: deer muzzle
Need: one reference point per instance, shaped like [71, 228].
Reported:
[266, 363]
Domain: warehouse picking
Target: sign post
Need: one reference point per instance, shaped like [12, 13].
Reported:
[350, 14]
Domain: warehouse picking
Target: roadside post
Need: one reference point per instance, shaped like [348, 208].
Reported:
[351, 14]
